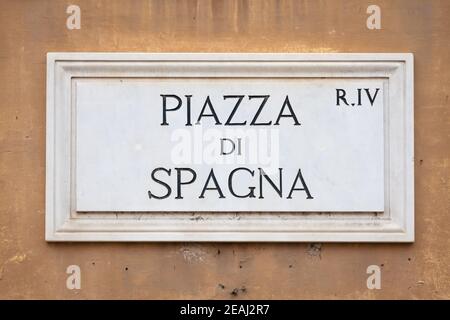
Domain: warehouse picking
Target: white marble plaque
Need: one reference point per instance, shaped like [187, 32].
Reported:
[229, 147]
[135, 153]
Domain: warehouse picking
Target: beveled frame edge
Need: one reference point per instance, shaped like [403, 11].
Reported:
[61, 226]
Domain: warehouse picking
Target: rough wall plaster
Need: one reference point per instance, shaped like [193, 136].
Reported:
[32, 268]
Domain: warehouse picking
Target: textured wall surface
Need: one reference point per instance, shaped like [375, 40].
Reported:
[32, 268]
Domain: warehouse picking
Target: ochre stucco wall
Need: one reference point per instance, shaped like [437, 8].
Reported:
[32, 268]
